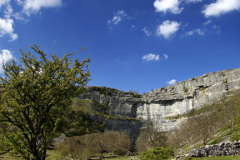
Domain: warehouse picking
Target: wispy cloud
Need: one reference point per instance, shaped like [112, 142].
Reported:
[130, 18]
[193, 1]
[220, 7]
[2, 2]
[4, 57]
[146, 31]
[165, 56]
[151, 57]
[209, 21]
[192, 32]
[172, 81]
[117, 17]
[216, 29]
[167, 29]
[171, 6]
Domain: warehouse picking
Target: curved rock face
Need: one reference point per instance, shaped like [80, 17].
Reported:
[168, 101]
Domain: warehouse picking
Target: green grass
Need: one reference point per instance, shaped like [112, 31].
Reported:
[219, 138]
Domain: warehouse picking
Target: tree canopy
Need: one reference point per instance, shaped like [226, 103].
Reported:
[35, 103]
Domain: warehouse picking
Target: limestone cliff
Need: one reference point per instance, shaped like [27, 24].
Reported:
[167, 101]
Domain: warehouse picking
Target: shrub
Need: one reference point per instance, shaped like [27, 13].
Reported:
[137, 95]
[92, 145]
[157, 153]
[185, 89]
[191, 112]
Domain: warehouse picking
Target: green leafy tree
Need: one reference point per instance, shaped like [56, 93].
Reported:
[157, 153]
[35, 103]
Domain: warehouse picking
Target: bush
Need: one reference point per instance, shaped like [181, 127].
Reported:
[157, 153]
[191, 112]
[185, 89]
[137, 96]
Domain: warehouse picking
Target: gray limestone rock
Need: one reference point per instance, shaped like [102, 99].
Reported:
[168, 101]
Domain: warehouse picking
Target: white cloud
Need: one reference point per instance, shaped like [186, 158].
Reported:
[145, 30]
[171, 6]
[6, 27]
[2, 2]
[221, 7]
[14, 36]
[192, 32]
[8, 11]
[165, 56]
[192, 1]
[172, 81]
[6, 23]
[35, 5]
[117, 17]
[121, 12]
[17, 15]
[151, 57]
[168, 28]
[209, 21]
[133, 26]
[5, 56]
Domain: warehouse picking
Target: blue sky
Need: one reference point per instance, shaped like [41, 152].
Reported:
[135, 45]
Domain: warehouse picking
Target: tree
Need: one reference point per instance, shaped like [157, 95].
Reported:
[35, 103]
[150, 137]
[204, 126]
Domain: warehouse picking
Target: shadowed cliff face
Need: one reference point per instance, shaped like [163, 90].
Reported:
[167, 101]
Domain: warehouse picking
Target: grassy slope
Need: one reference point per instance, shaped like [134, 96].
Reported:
[221, 134]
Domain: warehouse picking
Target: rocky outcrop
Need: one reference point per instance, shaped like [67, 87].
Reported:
[223, 149]
[167, 101]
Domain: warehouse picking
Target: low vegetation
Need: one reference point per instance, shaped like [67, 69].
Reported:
[157, 153]
[105, 90]
[95, 145]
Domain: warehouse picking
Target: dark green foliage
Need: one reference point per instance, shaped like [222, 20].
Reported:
[35, 103]
[105, 90]
[157, 153]
[137, 95]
